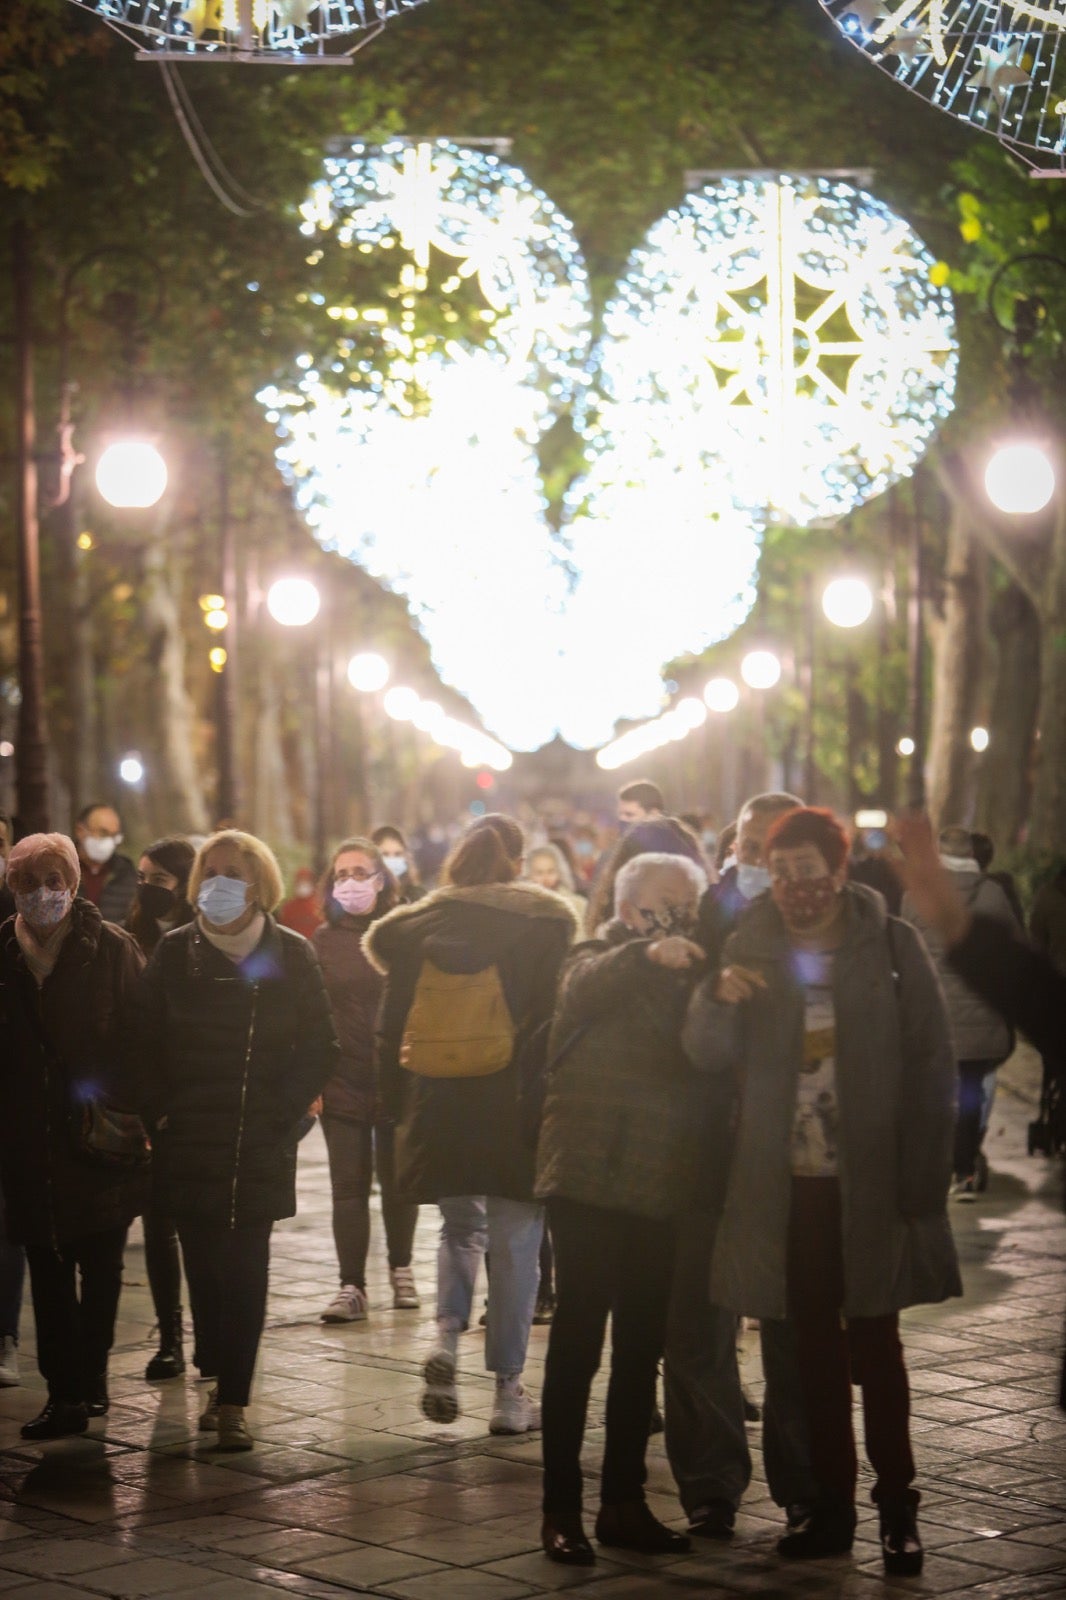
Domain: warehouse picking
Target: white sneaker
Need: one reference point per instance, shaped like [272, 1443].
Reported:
[440, 1397]
[349, 1304]
[514, 1411]
[9, 1364]
[404, 1293]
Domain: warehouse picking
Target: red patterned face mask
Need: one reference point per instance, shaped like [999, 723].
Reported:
[804, 902]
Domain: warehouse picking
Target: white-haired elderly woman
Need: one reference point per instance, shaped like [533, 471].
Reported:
[66, 981]
[617, 1163]
[235, 1039]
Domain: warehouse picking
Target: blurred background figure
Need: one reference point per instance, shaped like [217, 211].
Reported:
[639, 801]
[7, 839]
[358, 889]
[546, 865]
[108, 879]
[984, 850]
[302, 911]
[161, 903]
[400, 860]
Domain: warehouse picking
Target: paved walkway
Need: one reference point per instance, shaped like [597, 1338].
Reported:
[350, 1490]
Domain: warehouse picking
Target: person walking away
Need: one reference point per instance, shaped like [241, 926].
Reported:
[234, 1041]
[829, 1015]
[470, 977]
[617, 1162]
[66, 984]
[161, 903]
[108, 879]
[302, 912]
[705, 1405]
[358, 889]
[983, 1040]
[400, 860]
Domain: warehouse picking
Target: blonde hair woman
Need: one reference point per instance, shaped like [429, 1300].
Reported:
[235, 1041]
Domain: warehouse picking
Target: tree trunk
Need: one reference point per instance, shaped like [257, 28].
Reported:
[1048, 827]
[958, 659]
[1006, 779]
[176, 787]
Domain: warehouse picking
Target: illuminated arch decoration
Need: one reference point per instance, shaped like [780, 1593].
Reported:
[997, 64]
[296, 32]
[784, 332]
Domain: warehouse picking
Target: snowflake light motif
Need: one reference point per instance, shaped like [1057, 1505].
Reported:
[294, 31]
[998, 64]
[785, 334]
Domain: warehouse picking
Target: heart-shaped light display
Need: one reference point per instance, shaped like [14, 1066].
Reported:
[778, 333]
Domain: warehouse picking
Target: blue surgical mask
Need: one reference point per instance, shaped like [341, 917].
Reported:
[397, 865]
[222, 900]
[751, 880]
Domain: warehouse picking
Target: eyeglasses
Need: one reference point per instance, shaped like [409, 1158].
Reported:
[355, 874]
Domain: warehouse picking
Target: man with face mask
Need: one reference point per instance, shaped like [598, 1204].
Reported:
[108, 879]
[66, 982]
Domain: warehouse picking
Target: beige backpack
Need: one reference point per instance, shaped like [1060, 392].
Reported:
[459, 1025]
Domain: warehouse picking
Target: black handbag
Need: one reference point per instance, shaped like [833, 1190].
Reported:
[108, 1136]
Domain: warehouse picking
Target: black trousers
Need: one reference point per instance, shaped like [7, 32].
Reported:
[162, 1260]
[228, 1271]
[607, 1263]
[354, 1148]
[75, 1330]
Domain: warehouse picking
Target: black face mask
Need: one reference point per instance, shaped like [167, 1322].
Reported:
[155, 901]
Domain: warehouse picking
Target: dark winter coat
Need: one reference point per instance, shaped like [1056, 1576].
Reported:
[979, 1032]
[231, 1056]
[1024, 986]
[1047, 921]
[355, 991]
[118, 891]
[459, 1136]
[53, 1193]
[895, 1082]
[624, 1110]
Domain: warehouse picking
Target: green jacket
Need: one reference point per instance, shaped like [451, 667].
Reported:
[895, 1077]
[624, 1110]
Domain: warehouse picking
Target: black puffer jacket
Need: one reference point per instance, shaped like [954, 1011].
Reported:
[52, 1192]
[231, 1054]
[459, 1136]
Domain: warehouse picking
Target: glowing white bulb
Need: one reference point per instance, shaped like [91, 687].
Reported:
[847, 602]
[294, 602]
[368, 672]
[131, 769]
[979, 739]
[401, 704]
[721, 695]
[760, 669]
[906, 746]
[131, 474]
[1019, 479]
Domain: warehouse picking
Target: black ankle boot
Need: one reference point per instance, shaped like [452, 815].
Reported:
[631, 1525]
[169, 1359]
[97, 1399]
[901, 1545]
[828, 1531]
[58, 1419]
[563, 1539]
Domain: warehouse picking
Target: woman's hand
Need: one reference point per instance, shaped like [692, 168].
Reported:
[931, 890]
[676, 952]
[737, 984]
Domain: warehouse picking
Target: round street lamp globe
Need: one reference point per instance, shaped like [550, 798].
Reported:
[721, 695]
[760, 669]
[294, 602]
[131, 769]
[847, 602]
[979, 739]
[401, 704]
[1019, 479]
[368, 672]
[906, 746]
[131, 474]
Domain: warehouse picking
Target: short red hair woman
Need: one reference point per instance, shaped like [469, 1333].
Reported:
[829, 1013]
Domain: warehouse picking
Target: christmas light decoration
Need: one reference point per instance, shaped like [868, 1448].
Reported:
[296, 32]
[998, 64]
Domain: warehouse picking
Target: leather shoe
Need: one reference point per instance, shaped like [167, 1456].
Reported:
[57, 1421]
[630, 1525]
[715, 1520]
[564, 1541]
[97, 1400]
[829, 1531]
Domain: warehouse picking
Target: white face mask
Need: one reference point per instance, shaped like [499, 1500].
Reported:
[752, 880]
[397, 865]
[44, 908]
[99, 851]
[223, 900]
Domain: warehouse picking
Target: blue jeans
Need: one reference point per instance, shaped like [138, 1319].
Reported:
[511, 1232]
[12, 1272]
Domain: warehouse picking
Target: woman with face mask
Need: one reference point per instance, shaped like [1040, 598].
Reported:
[66, 984]
[358, 889]
[399, 858]
[159, 905]
[234, 1041]
[829, 1014]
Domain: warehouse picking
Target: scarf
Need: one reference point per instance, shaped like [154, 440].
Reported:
[41, 956]
[237, 946]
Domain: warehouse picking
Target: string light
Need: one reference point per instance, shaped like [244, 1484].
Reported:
[244, 30]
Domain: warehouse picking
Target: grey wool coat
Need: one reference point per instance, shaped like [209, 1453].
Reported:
[895, 1075]
[623, 1112]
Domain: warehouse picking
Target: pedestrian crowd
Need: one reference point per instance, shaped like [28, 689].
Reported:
[731, 1083]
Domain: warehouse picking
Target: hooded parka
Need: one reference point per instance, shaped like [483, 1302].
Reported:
[62, 1043]
[458, 1136]
[231, 1056]
[895, 1084]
